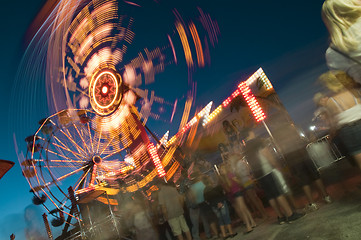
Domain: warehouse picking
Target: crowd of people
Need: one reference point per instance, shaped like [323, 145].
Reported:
[251, 175]
[241, 184]
[340, 103]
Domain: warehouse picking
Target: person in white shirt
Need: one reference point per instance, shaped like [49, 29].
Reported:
[344, 107]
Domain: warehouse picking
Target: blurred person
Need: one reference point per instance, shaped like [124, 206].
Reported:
[224, 152]
[171, 203]
[195, 198]
[141, 220]
[320, 100]
[235, 193]
[231, 134]
[210, 215]
[304, 169]
[321, 115]
[292, 145]
[242, 171]
[33, 222]
[263, 163]
[343, 22]
[159, 220]
[242, 130]
[344, 107]
[215, 197]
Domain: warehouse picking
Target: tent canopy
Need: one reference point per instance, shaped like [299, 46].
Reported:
[5, 166]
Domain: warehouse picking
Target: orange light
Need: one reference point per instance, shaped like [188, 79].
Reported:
[197, 43]
[186, 47]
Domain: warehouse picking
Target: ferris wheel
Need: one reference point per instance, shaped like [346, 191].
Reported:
[73, 148]
[103, 91]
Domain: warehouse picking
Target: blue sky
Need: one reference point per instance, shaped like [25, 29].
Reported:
[287, 40]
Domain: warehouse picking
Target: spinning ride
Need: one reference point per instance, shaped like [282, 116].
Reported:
[102, 99]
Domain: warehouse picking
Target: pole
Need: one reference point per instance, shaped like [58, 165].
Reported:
[47, 227]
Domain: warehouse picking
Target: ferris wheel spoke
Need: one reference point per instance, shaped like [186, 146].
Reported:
[81, 137]
[75, 143]
[58, 166]
[63, 156]
[113, 153]
[71, 139]
[66, 161]
[90, 137]
[71, 173]
[82, 179]
[65, 146]
[107, 145]
[82, 91]
[100, 136]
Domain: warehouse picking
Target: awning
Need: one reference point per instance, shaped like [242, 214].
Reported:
[5, 166]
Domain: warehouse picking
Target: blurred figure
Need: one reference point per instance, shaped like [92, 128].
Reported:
[242, 171]
[224, 152]
[231, 134]
[215, 197]
[171, 203]
[320, 101]
[321, 115]
[303, 168]
[235, 193]
[195, 195]
[345, 111]
[12, 236]
[262, 163]
[343, 21]
[141, 220]
[34, 225]
[159, 219]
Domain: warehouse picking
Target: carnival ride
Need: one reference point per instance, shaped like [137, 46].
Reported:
[96, 143]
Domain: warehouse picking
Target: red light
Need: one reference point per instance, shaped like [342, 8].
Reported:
[230, 98]
[252, 102]
[156, 160]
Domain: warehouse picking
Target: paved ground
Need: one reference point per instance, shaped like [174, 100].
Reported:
[336, 221]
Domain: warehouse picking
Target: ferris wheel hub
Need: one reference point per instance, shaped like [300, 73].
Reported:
[105, 91]
[97, 159]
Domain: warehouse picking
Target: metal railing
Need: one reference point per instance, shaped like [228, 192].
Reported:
[323, 152]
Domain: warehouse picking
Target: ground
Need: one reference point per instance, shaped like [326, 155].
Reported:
[336, 221]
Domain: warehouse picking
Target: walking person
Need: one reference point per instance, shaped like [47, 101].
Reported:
[344, 107]
[171, 203]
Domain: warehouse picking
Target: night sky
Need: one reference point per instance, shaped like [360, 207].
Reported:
[287, 40]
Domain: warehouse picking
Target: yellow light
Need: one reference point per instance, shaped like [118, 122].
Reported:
[104, 89]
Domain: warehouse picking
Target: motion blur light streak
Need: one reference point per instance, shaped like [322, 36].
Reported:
[101, 92]
[197, 43]
[187, 49]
